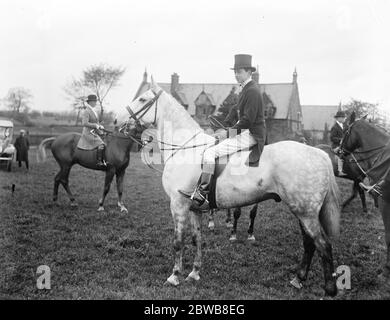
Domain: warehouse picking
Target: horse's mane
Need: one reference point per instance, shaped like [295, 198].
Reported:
[179, 115]
[375, 126]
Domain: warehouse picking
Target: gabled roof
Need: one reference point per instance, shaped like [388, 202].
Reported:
[314, 117]
[279, 93]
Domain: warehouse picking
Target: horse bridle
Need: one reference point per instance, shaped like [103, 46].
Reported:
[346, 152]
[145, 109]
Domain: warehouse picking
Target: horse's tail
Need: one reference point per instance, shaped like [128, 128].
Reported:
[41, 155]
[330, 210]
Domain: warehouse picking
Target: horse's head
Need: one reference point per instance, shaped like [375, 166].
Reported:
[144, 108]
[351, 138]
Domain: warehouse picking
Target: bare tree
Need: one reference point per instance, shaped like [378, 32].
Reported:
[18, 100]
[99, 79]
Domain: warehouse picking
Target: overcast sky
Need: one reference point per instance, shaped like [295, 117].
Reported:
[340, 48]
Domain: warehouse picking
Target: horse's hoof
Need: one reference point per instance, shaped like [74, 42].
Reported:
[172, 281]
[190, 280]
[124, 210]
[331, 289]
[229, 225]
[73, 204]
[251, 238]
[211, 226]
[296, 283]
[101, 208]
[233, 238]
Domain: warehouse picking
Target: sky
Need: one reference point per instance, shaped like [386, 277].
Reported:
[340, 47]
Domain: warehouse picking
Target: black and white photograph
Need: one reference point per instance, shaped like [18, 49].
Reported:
[211, 151]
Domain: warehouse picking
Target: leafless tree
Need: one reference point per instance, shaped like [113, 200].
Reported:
[97, 79]
[18, 100]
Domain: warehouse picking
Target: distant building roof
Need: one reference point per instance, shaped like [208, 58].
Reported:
[281, 94]
[314, 117]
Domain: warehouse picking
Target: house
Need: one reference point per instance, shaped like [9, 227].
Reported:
[281, 101]
[317, 121]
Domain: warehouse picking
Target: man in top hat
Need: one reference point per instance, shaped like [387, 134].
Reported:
[250, 128]
[90, 138]
[336, 135]
[22, 145]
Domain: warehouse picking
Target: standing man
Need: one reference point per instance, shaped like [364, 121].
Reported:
[250, 128]
[22, 145]
[336, 135]
[90, 138]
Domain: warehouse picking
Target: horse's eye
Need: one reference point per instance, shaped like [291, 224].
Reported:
[142, 100]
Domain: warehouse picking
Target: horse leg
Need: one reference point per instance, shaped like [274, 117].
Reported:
[179, 216]
[57, 180]
[314, 230]
[385, 210]
[196, 241]
[228, 221]
[119, 186]
[362, 195]
[107, 183]
[236, 214]
[304, 266]
[211, 224]
[252, 216]
[64, 179]
[355, 189]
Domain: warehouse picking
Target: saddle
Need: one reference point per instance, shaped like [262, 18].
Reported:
[251, 161]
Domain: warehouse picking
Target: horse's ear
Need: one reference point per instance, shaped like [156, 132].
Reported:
[352, 118]
[153, 83]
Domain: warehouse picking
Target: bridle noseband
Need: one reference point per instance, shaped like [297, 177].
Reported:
[141, 112]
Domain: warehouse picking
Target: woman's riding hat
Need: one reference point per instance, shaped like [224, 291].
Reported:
[340, 114]
[242, 61]
[92, 97]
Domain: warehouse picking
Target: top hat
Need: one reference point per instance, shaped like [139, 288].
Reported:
[340, 114]
[242, 61]
[91, 97]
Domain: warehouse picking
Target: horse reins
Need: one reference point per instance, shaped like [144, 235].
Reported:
[145, 109]
[175, 147]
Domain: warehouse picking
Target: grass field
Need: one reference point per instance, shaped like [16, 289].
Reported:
[109, 255]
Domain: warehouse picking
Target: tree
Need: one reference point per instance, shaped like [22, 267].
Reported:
[363, 108]
[98, 79]
[18, 100]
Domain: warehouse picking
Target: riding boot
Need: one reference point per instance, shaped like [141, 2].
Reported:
[199, 197]
[100, 157]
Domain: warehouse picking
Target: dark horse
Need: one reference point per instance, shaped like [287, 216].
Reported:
[353, 172]
[117, 155]
[373, 142]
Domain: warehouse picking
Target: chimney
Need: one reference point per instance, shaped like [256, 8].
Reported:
[174, 82]
[255, 75]
[295, 76]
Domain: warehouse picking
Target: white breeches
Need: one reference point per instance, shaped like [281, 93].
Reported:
[228, 146]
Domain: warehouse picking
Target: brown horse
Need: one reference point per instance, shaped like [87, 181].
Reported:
[374, 143]
[117, 155]
[353, 172]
